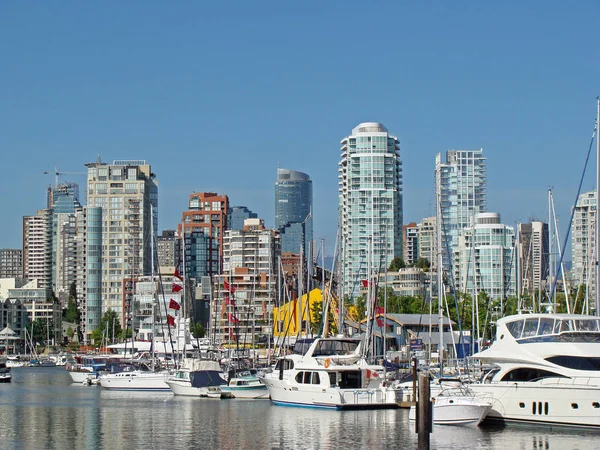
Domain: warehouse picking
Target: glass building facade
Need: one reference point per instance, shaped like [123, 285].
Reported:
[461, 193]
[489, 247]
[370, 203]
[293, 206]
[93, 300]
[237, 215]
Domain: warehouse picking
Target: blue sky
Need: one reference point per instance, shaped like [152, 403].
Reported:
[215, 96]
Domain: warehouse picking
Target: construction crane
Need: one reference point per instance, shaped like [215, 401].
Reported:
[58, 174]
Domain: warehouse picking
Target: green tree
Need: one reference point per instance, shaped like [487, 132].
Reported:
[71, 313]
[316, 314]
[198, 331]
[397, 263]
[39, 330]
[423, 263]
[70, 333]
[109, 325]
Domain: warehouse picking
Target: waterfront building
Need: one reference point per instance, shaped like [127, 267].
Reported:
[11, 263]
[40, 305]
[461, 193]
[489, 247]
[370, 202]
[203, 227]
[406, 282]
[427, 236]
[37, 247]
[410, 243]
[122, 221]
[533, 256]
[13, 315]
[245, 292]
[583, 242]
[237, 215]
[293, 212]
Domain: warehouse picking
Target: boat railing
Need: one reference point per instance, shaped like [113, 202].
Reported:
[575, 381]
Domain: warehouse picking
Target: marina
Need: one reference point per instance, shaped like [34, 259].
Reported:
[42, 408]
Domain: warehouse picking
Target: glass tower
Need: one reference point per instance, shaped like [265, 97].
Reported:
[461, 193]
[370, 203]
[293, 206]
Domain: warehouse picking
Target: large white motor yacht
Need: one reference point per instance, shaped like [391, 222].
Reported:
[545, 370]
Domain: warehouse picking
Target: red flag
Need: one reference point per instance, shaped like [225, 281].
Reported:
[232, 318]
[170, 320]
[174, 305]
[379, 310]
[229, 301]
[176, 288]
[379, 322]
[365, 283]
[177, 274]
[231, 334]
[228, 287]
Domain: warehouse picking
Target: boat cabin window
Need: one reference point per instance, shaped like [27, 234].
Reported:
[308, 378]
[530, 328]
[576, 362]
[546, 326]
[529, 374]
[332, 379]
[515, 328]
[286, 363]
[335, 347]
[350, 379]
[315, 378]
[586, 325]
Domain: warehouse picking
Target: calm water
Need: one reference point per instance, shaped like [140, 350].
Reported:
[41, 409]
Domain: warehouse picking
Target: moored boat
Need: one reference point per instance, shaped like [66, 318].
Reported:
[545, 369]
[331, 374]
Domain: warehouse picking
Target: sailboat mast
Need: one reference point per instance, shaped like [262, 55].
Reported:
[440, 287]
[597, 240]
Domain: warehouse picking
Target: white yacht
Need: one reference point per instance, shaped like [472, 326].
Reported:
[246, 385]
[455, 404]
[330, 374]
[135, 379]
[545, 370]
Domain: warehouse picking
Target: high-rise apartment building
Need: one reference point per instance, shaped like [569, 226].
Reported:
[237, 215]
[11, 263]
[293, 212]
[168, 250]
[533, 256]
[583, 242]
[428, 241]
[37, 248]
[203, 228]
[65, 203]
[370, 202]
[410, 243]
[461, 193]
[122, 222]
[246, 291]
[484, 258]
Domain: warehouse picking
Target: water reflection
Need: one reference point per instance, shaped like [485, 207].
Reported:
[42, 409]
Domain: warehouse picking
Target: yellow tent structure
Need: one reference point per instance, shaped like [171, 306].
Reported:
[292, 316]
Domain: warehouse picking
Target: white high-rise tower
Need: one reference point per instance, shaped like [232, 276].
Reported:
[370, 203]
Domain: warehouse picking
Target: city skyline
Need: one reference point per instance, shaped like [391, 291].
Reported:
[212, 98]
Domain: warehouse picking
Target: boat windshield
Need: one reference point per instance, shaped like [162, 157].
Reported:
[332, 347]
[576, 362]
[549, 329]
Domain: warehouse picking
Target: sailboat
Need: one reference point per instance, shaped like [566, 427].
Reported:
[545, 365]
